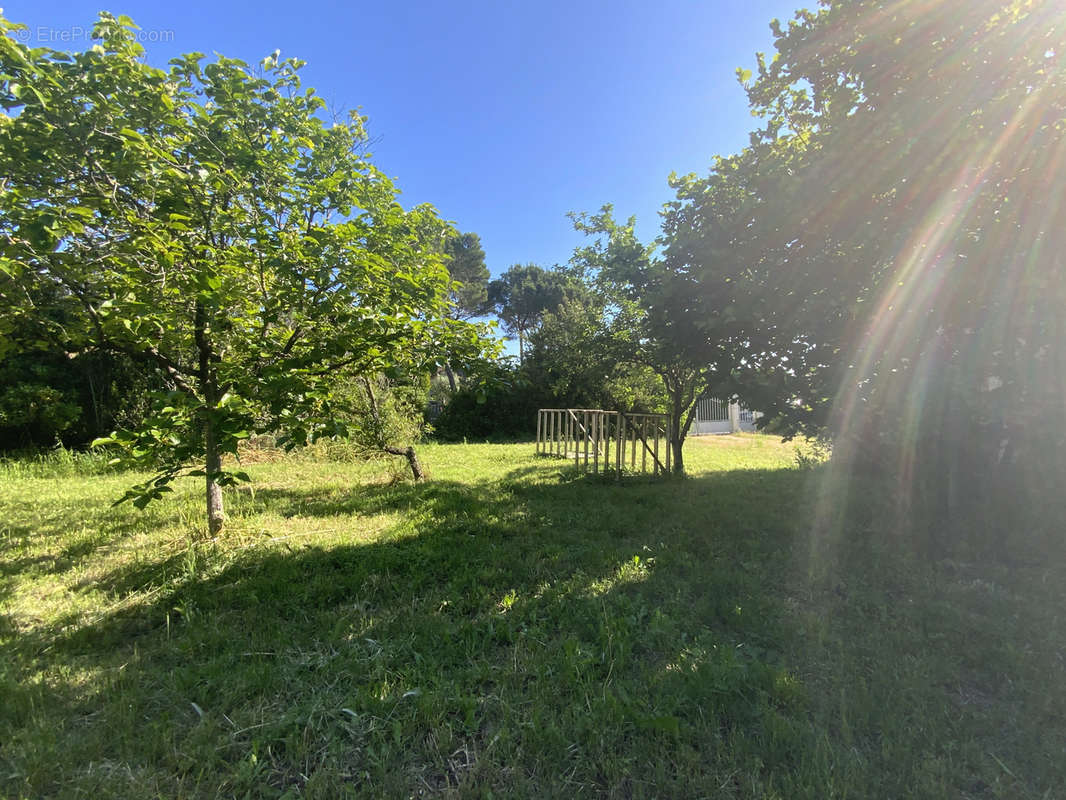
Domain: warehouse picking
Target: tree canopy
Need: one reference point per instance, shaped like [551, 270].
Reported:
[895, 218]
[522, 294]
[465, 260]
[208, 221]
[655, 316]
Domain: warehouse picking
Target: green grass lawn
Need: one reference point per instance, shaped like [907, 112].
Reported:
[513, 629]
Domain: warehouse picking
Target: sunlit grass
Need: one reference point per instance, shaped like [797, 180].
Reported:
[512, 628]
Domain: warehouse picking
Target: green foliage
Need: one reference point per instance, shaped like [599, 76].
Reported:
[524, 293]
[578, 359]
[53, 390]
[377, 412]
[465, 261]
[569, 356]
[208, 222]
[34, 413]
[651, 319]
[501, 406]
[895, 223]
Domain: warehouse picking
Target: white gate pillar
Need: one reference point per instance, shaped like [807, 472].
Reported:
[734, 417]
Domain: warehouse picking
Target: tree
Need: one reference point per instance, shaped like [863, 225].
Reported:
[522, 294]
[465, 260]
[53, 392]
[577, 359]
[905, 185]
[570, 357]
[654, 318]
[469, 292]
[209, 223]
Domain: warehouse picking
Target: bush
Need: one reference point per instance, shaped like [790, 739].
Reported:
[501, 411]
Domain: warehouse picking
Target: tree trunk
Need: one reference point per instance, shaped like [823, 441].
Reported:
[682, 413]
[406, 452]
[212, 455]
[215, 515]
[679, 458]
[451, 377]
[412, 460]
[677, 433]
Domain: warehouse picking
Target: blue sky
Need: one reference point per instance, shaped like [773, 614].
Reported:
[502, 115]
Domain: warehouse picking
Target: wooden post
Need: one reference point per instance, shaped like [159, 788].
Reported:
[644, 443]
[619, 450]
[606, 442]
[633, 448]
[577, 445]
[585, 439]
[595, 442]
[605, 439]
[655, 453]
[669, 445]
[540, 415]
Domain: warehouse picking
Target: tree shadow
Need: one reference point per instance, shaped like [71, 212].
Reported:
[469, 572]
[604, 629]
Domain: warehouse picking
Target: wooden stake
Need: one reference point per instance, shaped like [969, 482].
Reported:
[595, 442]
[655, 454]
[606, 442]
[669, 445]
[644, 442]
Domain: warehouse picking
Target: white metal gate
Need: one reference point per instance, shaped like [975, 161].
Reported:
[714, 415]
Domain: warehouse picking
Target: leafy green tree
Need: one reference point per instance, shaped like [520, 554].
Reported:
[49, 396]
[653, 318]
[209, 223]
[521, 296]
[53, 390]
[501, 405]
[569, 356]
[465, 260]
[903, 202]
[469, 293]
[576, 358]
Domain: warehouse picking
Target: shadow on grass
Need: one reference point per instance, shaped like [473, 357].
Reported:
[443, 604]
[521, 636]
[100, 528]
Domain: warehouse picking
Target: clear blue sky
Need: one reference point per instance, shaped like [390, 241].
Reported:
[503, 115]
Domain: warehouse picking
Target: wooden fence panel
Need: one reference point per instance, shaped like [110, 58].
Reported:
[588, 435]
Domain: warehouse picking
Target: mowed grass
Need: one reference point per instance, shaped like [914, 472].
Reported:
[514, 629]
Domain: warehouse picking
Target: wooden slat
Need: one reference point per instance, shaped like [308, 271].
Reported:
[597, 418]
[657, 465]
